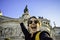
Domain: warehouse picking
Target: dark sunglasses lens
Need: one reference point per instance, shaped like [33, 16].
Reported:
[30, 22]
[35, 22]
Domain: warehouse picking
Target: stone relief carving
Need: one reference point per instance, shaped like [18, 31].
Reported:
[8, 31]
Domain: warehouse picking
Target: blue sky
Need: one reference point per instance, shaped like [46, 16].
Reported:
[49, 9]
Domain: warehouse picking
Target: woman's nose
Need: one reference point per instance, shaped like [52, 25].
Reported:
[33, 22]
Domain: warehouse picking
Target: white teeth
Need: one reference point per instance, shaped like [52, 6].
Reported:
[33, 27]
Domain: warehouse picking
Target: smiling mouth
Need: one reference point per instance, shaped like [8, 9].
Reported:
[33, 27]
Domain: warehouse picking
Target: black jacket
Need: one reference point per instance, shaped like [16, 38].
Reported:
[43, 35]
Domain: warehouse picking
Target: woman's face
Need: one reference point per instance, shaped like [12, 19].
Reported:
[33, 25]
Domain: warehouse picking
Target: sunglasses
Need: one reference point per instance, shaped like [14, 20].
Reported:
[35, 21]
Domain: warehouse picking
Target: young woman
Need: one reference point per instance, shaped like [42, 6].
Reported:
[33, 34]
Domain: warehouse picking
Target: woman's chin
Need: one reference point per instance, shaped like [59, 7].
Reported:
[34, 30]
